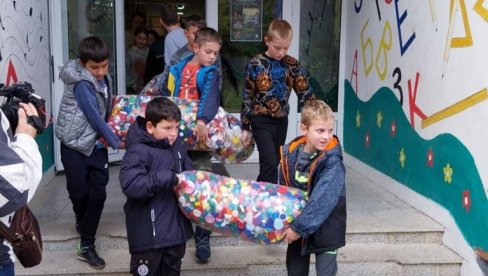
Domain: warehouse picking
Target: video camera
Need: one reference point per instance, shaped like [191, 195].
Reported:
[23, 92]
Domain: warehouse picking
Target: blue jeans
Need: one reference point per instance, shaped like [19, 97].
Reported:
[7, 270]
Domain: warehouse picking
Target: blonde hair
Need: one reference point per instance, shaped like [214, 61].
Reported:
[279, 28]
[314, 110]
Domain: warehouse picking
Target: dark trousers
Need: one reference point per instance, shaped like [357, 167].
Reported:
[164, 261]
[269, 134]
[86, 181]
[298, 265]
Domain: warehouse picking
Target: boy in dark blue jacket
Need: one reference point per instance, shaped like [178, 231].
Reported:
[313, 162]
[157, 231]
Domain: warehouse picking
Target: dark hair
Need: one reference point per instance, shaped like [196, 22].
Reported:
[153, 33]
[207, 34]
[93, 48]
[195, 21]
[169, 15]
[138, 14]
[161, 108]
[139, 30]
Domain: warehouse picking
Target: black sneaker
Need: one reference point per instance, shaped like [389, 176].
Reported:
[89, 254]
[202, 243]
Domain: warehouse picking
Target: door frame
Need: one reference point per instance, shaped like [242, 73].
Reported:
[60, 54]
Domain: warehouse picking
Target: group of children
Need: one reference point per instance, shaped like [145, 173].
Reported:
[157, 231]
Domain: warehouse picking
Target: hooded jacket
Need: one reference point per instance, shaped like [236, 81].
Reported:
[147, 177]
[207, 86]
[322, 223]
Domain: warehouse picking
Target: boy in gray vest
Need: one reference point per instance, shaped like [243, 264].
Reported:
[81, 122]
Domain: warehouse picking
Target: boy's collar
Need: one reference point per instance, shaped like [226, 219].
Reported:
[302, 140]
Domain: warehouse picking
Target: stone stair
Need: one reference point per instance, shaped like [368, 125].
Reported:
[385, 236]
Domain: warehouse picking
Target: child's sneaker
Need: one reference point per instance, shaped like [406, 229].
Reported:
[89, 254]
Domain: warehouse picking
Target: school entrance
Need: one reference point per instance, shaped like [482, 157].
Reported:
[241, 23]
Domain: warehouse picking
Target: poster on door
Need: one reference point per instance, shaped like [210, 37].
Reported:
[246, 20]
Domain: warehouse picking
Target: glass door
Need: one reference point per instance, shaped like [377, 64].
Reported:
[71, 21]
[320, 26]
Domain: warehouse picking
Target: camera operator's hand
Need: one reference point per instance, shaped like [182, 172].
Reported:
[26, 110]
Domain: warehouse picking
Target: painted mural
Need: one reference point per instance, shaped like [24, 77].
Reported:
[24, 55]
[416, 100]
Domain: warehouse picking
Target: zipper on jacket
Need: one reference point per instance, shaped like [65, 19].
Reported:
[179, 162]
[153, 219]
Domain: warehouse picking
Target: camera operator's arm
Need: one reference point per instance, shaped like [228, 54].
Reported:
[88, 103]
[20, 162]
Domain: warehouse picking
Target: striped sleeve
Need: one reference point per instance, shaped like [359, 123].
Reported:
[20, 169]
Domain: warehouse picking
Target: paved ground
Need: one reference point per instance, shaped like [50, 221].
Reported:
[370, 209]
[368, 204]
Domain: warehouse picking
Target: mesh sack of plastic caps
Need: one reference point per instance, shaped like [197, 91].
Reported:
[224, 137]
[256, 211]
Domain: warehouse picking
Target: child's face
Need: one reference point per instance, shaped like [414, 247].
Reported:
[277, 47]
[137, 21]
[164, 129]
[207, 53]
[319, 133]
[190, 34]
[150, 40]
[97, 69]
[141, 40]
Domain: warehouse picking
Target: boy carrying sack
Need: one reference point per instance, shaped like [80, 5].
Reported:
[313, 163]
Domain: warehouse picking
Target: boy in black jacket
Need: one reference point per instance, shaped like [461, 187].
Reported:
[313, 162]
[157, 231]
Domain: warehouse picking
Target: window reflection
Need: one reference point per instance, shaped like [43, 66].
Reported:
[91, 18]
[236, 54]
[319, 46]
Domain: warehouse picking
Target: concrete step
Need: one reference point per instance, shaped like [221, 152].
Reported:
[354, 259]
[69, 243]
[119, 241]
[385, 236]
[61, 236]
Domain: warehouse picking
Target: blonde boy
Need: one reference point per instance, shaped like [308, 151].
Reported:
[313, 163]
[268, 81]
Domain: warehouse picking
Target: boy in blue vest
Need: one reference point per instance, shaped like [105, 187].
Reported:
[81, 122]
[196, 77]
[157, 230]
[313, 163]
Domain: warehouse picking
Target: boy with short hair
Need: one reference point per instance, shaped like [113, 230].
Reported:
[81, 122]
[268, 81]
[157, 230]
[175, 38]
[313, 162]
[196, 77]
[191, 25]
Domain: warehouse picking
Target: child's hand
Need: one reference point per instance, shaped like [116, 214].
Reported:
[122, 145]
[201, 132]
[246, 137]
[289, 235]
[104, 142]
